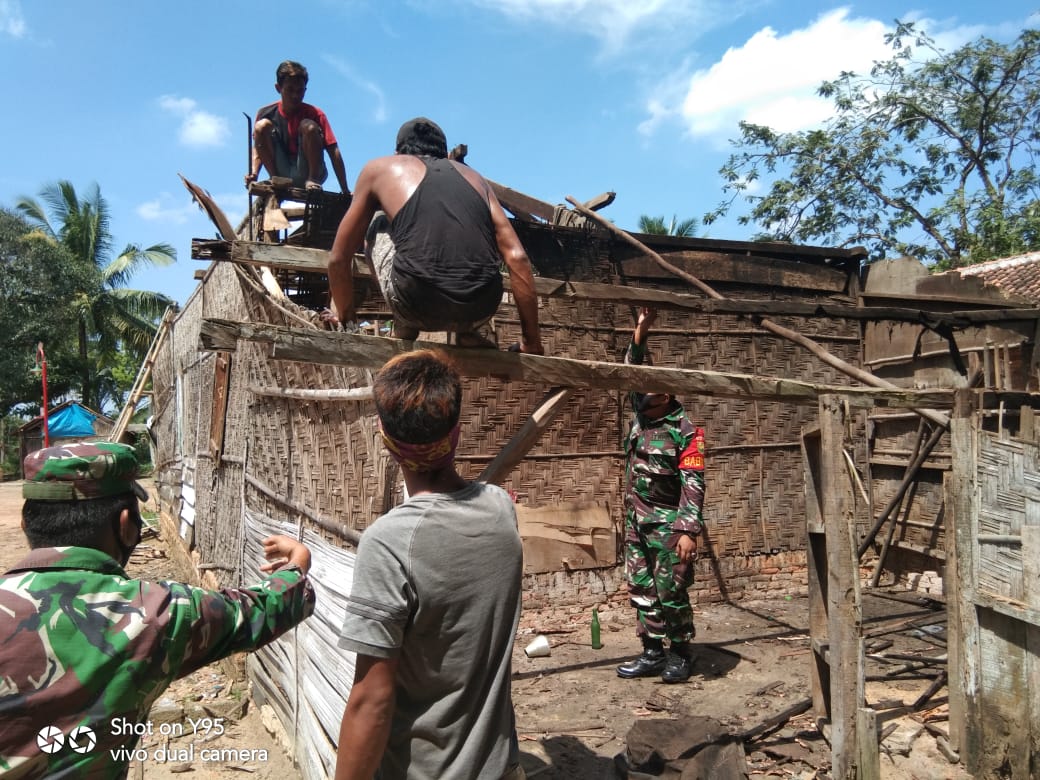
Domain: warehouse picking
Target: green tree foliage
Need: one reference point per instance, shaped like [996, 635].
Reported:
[38, 284]
[931, 155]
[655, 226]
[111, 320]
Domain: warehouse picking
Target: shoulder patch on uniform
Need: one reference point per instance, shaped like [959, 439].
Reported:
[692, 458]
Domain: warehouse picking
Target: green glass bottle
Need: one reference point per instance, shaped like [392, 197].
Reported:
[596, 644]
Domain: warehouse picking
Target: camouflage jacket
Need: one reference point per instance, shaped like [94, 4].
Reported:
[85, 651]
[664, 473]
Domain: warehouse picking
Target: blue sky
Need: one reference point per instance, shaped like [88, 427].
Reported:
[553, 97]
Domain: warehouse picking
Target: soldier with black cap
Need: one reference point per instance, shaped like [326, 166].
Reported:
[436, 240]
[83, 647]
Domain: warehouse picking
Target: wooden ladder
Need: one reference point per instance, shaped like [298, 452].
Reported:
[142, 378]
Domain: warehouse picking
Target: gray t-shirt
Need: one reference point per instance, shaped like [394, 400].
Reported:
[437, 581]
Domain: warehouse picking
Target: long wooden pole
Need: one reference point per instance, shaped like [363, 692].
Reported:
[347, 349]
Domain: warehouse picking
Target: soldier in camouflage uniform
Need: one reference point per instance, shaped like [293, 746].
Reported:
[664, 493]
[84, 649]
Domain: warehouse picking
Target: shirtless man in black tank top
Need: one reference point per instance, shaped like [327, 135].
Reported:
[447, 235]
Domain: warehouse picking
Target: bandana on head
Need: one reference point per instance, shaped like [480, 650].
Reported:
[423, 457]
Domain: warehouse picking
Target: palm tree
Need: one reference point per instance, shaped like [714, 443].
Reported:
[655, 226]
[111, 318]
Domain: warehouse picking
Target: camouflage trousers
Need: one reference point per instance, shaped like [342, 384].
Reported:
[657, 581]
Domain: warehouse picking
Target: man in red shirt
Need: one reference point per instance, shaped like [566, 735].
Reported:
[290, 136]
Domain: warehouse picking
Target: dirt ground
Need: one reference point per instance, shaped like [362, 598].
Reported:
[574, 713]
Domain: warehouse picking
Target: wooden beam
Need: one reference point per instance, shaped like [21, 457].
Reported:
[524, 439]
[308, 260]
[601, 201]
[743, 269]
[869, 766]
[519, 203]
[213, 211]
[331, 394]
[819, 254]
[966, 732]
[335, 348]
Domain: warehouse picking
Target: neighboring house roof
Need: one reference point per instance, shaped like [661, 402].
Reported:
[68, 419]
[1019, 274]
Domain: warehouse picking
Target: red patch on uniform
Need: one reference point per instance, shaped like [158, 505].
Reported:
[692, 458]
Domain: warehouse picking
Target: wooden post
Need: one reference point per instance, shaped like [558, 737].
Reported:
[1031, 595]
[869, 758]
[844, 619]
[962, 620]
[816, 559]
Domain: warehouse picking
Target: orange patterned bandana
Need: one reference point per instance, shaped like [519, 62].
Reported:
[423, 457]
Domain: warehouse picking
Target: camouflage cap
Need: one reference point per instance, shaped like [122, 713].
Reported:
[83, 470]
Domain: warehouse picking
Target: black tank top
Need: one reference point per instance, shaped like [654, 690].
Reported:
[444, 236]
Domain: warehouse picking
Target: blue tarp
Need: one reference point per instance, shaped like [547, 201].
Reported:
[74, 420]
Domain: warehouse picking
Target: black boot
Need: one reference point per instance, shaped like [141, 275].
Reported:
[680, 664]
[649, 664]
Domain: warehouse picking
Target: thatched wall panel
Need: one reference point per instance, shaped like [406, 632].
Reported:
[327, 456]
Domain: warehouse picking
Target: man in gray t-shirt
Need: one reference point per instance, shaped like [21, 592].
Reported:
[435, 602]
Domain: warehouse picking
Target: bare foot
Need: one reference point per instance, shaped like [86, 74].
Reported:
[312, 185]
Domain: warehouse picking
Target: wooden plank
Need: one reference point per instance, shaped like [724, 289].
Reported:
[280, 256]
[781, 249]
[519, 203]
[524, 439]
[742, 269]
[844, 614]
[601, 201]
[335, 348]
[869, 767]
[962, 627]
[958, 298]
[218, 411]
[1031, 594]
[213, 211]
[332, 394]
[294, 258]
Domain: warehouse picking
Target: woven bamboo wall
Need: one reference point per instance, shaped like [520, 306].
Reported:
[755, 500]
[326, 456]
[1008, 501]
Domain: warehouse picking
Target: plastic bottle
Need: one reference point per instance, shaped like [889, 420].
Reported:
[596, 644]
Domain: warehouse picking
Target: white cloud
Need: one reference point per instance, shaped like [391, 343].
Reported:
[164, 210]
[198, 128]
[362, 83]
[170, 209]
[611, 21]
[772, 79]
[11, 20]
[177, 105]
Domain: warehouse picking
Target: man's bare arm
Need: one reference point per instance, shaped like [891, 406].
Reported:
[521, 277]
[365, 728]
[349, 238]
[339, 168]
